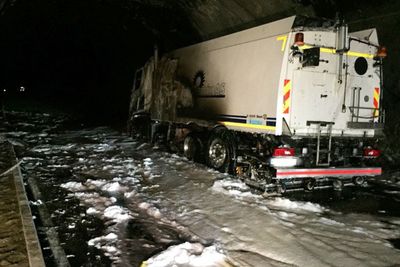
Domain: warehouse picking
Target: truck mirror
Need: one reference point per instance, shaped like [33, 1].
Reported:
[311, 57]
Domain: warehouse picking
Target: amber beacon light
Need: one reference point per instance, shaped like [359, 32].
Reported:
[299, 39]
[382, 52]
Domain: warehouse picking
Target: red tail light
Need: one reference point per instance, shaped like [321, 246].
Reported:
[371, 153]
[382, 52]
[283, 152]
[299, 39]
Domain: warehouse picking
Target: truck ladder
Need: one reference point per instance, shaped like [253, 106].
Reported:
[324, 150]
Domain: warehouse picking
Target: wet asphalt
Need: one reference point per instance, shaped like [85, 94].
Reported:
[144, 235]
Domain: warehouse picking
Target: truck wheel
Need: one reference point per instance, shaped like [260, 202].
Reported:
[358, 180]
[192, 147]
[140, 126]
[337, 184]
[309, 184]
[220, 151]
[281, 188]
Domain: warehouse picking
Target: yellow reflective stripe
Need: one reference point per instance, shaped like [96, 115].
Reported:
[305, 46]
[357, 54]
[282, 38]
[376, 95]
[248, 125]
[376, 98]
[287, 87]
[333, 51]
[286, 105]
[286, 96]
[328, 50]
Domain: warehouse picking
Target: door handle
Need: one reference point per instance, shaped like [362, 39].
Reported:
[324, 96]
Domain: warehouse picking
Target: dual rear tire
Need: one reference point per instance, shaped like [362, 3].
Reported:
[218, 151]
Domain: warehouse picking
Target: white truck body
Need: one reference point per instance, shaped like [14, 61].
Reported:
[252, 81]
[293, 101]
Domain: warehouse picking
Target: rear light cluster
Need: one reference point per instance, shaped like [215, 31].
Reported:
[284, 157]
[371, 153]
[283, 152]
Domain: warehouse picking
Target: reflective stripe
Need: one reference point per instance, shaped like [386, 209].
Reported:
[247, 125]
[329, 172]
[376, 101]
[357, 54]
[282, 38]
[333, 51]
[287, 86]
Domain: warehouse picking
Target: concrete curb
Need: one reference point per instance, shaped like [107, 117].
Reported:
[59, 254]
[35, 256]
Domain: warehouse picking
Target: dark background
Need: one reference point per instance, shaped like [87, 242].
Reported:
[79, 56]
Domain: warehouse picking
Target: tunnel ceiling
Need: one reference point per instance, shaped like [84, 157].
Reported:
[186, 21]
[210, 18]
[179, 22]
[87, 47]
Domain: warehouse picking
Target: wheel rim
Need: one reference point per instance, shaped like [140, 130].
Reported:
[281, 188]
[310, 184]
[337, 184]
[359, 180]
[217, 153]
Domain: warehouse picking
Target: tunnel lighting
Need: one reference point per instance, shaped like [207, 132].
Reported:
[299, 39]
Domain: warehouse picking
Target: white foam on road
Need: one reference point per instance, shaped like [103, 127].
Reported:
[117, 214]
[188, 255]
[287, 204]
[108, 244]
[74, 186]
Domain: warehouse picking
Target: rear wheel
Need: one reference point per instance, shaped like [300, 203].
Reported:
[192, 147]
[309, 184]
[281, 188]
[221, 150]
[359, 180]
[139, 126]
[337, 184]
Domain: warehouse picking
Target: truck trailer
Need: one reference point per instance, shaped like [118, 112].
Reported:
[288, 104]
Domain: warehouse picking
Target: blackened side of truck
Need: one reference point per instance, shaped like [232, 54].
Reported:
[296, 102]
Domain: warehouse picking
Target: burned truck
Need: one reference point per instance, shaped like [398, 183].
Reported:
[292, 103]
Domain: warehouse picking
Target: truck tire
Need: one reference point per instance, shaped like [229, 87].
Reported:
[192, 147]
[359, 180]
[337, 185]
[309, 184]
[281, 188]
[220, 153]
[140, 126]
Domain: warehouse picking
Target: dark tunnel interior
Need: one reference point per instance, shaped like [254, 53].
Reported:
[80, 56]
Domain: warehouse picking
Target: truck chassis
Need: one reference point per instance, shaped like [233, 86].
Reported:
[249, 156]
